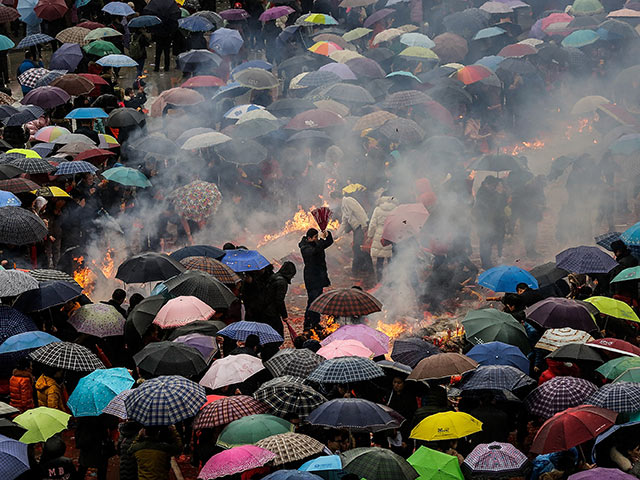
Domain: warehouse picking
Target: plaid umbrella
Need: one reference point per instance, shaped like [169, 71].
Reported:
[116, 406]
[8, 14]
[68, 356]
[14, 459]
[406, 98]
[319, 78]
[622, 397]
[291, 447]
[496, 460]
[241, 330]
[12, 322]
[231, 370]
[30, 77]
[170, 358]
[15, 282]
[375, 463]
[402, 130]
[235, 460]
[346, 302]
[496, 377]
[373, 120]
[410, 351]
[213, 267]
[33, 165]
[252, 429]
[293, 361]
[289, 398]
[196, 201]
[203, 286]
[554, 338]
[442, 365]
[558, 394]
[352, 413]
[585, 259]
[19, 226]
[165, 401]
[74, 167]
[98, 319]
[346, 370]
[226, 410]
[348, 94]
[50, 77]
[74, 35]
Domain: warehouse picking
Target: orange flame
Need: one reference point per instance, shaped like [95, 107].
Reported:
[84, 276]
[518, 148]
[301, 222]
[107, 265]
[392, 330]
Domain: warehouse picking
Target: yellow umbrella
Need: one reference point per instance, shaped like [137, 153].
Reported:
[51, 192]
[613, 308]
[26, 152]
[419, 52]
[343, 56]
[387, 35]
[446, 426]
[354, 187]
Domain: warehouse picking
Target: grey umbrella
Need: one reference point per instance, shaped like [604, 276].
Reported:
[20, 227]
[202, 285]
[241, 152]
[47, 275]
[15, 282]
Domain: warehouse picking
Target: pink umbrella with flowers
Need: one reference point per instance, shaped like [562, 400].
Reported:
[235, 460]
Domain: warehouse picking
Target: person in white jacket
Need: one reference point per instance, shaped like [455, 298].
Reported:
[355, 219]
[379, 252]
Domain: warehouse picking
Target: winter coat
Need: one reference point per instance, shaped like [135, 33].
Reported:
[315, 262]
[489, 211]
[383, 208]
[154, 456]
[128, 465]
[50, 393]
[21, 390]
[353, 216]
[558, 369]
[276, 291]
[53, 464]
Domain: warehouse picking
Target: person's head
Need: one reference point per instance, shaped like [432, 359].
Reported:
[512, 302]
[312, 235]
[619, 248]
[490, 182]
[118, 296]
[398, 384]
[252, 342]
[128, 92]
[312, 344]
[228, 246]
[288, 270]
[521, 288]
[24, 364]
[336, 441]
[337, 194]
[28, 55]
[135, 299]
[54, 447]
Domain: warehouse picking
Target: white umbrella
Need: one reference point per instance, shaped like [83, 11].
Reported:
[230, 370]
[205, 140]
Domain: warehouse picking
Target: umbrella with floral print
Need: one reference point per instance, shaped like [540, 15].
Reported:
[197, 201]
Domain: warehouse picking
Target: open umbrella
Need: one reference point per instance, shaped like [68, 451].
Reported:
[226, 410]
[251, 429]
[613, 308]
[198, 251]
[196, 201]
[20, 227]
[244, 260]
[558, 394]
[50, 10]
[351, 413]
[610, 370]
[446, 426]
[561, 312]
[442, 365]
[505, 278]
[182, 311]
[615, 345]
[118, 8]
[148, 267]
[241, 330]
[47, 295]
[489, 324]
[226, 41]
[67, 356]
[129, 177]
[170, 358]
[15, 282]
[346, 302]
[291, 447]
[434, 464]
[27, 341]
[496, 377]
[99, 320]
[410, 351]
[576, 352]
[46, 97]
[556, 337]
[203, 286]
[286, 398]
[496, 460]
[293, 361]
[498, 353]
[623, 397]
[14, 459]
[231, 370]
[374, 340]
[346, 370]
[235, 460]
[345, 348]
[375, 463]
[41, 423]
[585, 259]
[94, 392]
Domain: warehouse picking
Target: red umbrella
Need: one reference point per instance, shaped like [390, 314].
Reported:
[572, 427]
[181, 97]
[51, 9]
[615, 345]
[93, 78]
[202, 81]
[315, 119]
[517, 50]
[549, 20]
[473, 73]
[404, 222]
[94, 155]
[90, 25]
[8, 14]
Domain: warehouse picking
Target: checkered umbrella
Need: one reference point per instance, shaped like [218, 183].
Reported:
[14, 460]
[346, 302]
[19, 226]
[375, 463]
[252, 429]
[496, 460]
[286, 379]
[442, 365]
[402, 130]
[373, 120]
[241, 330]
[77, 166]
[12, 322]
[30, 77]
[585, 259]
[33, 165]
[68, 356]
[293, 361]
[554, 338]
[405, 98]
[8, 14]
[346, 370]
[98, 319]
[15, 282]
[33, 40]
[410, 351]
[558, 394]
[165, 401]
[496, 377]
[49, 77]
[18, 185]
[287, 398]
[291, 447]
[621, 397]
[116, 406]
[47, 275]
[226, 410]
[213, 267]
[74, 35]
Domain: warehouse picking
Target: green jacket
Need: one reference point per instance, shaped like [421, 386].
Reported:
[154, 456]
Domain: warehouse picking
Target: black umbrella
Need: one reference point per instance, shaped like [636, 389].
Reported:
[47, 295]
[349, 94]
[125, 117]
[290, 107]
[319, 78]
[497, 162]
[148, 267]
[198, 251]
[548, 273]
[202, 285]
[517, 65]
[6, 111]
[213, 17]
[166, 10]
[467, 22]
[157, 144]
[256, 127]
[298, 63]
[241, 152]
[170, 358]
[380, 54]
[25, 113]
[8, 171]
[208, 327]
[576, 351]
[195, 60]
[11, 429]
[410, 351]
[19, 226]
[143, 314]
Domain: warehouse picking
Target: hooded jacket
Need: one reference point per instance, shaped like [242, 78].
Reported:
[21, 390]
[315, 262]
[50, 393]
[128, 465]
[384, 207]
[53, 464]
[154, 456]
[276, 291]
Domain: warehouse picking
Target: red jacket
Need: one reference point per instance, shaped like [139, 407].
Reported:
[21, 390]
[558, 369]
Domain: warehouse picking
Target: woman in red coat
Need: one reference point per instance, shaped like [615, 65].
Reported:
[21, 386]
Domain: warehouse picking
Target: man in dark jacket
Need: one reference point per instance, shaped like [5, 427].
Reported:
[53, 464]
[625, 260]
[315, 270]
[275, 309]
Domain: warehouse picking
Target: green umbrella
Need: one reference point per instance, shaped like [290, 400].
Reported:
[41, 423]
[251, 429]
[631, 375]
[129, 177]
[375, 463]
[434, 465]
[616, 367]
[632, 273]
[100, 48]
[613, 308]
[491, 325]
[586, 7]
[356, 33]
[102, 32]
[143, 314]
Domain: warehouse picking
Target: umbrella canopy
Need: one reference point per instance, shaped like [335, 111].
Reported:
[496, 460]
[499, 353]
[75, 167]
[196, 201]
[226, 41]
[346, 302]
[235, 460]
[374, 340]
[404, 222]
[226, 410]
[315, 118]
[442, 365]
[125, 117]
[345, 348]
[558, 394]
[198, 251]
[623, 397]
[213, 267]
[602, 473]
[434, 464]
[41, 423]
[203, 286]
[292, 361]
[206, 345]
[94, 392]
[205, 140]
[117, 61]
[505, 278]
[613, 308]
[291, 447]
[98, 319]
[585, 259]
[615, 345]
[375, 463]
[13, 457]
[244, 260]
[351, 413]
[576, 352]
[165, 401]
[627, 274]
[496, 377]
[547, 274]
[554, 338]
[411, 350]
[346, 370]
[129, 177]
[445, 426]
[47, 295]
[148, 267]
[76, 85]
[251, 429]
[231, 370]
[27, 341]
[170, 358]
[489, 325]
[73, 35]
[15, 282]
[561, 312]
[241, 330]
[610, 370]
[19, 226]
[182, 311]
[67, 356]
[46, 275]
[286, 398]
[116, 406]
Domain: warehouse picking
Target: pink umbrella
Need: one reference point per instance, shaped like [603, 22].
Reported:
[183, 311]
[404, 222]
[374, 340]
[235, 460]
[345, 348]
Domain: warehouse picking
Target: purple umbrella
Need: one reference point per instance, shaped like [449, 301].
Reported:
[67, 57]
[46, 97]
[585, 259]
[496, 460]
[377, 16]
[602, 474]
[557, 312]
[558, 394]
[234, 14]
[275, 12]
[205, 344]
[340, 69]
[365, 67]
[374, 340]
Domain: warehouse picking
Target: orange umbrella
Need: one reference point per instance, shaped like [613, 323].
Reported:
[325, 48]
[473, 73]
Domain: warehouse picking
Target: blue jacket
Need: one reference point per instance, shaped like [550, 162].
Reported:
[28, 65]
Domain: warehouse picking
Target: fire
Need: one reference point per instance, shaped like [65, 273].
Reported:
[107, 265]
[301, 222]
[84, 276]
[328, 325]
[392, 330]
[518, 148]
[584, 125]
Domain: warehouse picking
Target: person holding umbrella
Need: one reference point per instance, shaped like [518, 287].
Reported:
[315, 270]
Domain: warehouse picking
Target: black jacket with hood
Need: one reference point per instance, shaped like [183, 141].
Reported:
[276, 291]
[315, 262]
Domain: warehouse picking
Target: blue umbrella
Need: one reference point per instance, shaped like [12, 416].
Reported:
[252, 64]
[504, 278]
[626, 144]
[231, 90]
[195, 24]
[47, 295]
[491, 62]
[27, 341]
[351, 413]
[496, 377]
[144, 21]
[74, 167]
[27, 13]
[12, 322]
[67, 57]
[44, 149]
[94, 392]
[115, 60]
[489, 33]
[241, 330]
[226, 41]
[35, 39]
[8, 199]
[631, 236]
[292, 475]
[586, 259]
[498, 353]
[14, 460]
[580, 38]
[87, 113]
[118, 8]
[322, 464]
[6, 43]
[239, 110]
[244, 260]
